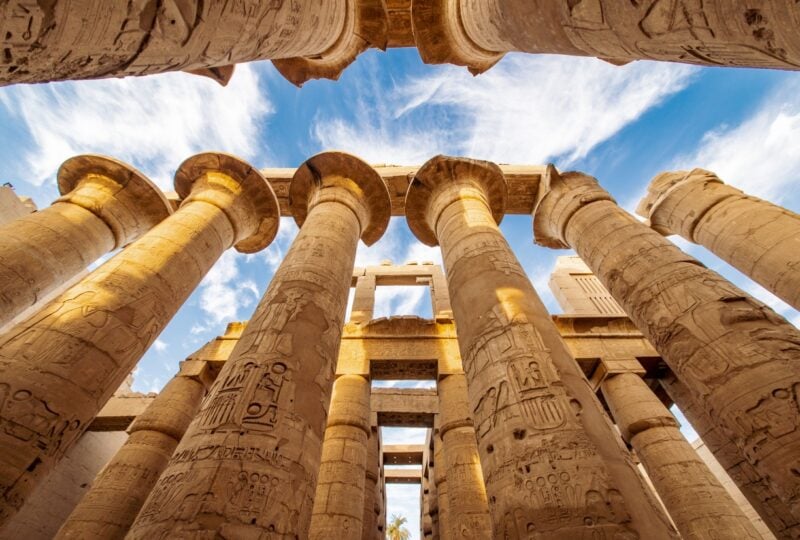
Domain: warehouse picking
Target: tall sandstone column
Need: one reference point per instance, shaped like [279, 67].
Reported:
[104, 205]
[469, 507]
[119, 491]
[85, 39]
[476, 33]
[247, 466]
[698, 504]
[757, 237]
[442, 494]
[551, 461]
[738, 358]
[339, 501]
[372, 474]
[773, 511]
[58, 368]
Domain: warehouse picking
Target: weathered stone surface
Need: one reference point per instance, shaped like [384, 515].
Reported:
[476, 33]
[372, 474]
[737, 357]
[444, 521]
[59, 367]
[339, 499]
[12, 206]
[248, 463]
[698, 504]
[469, 507]
[541, 430]
[757, 237]
[104, 204]
[118, 492]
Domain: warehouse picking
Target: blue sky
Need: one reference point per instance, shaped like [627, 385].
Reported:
[623, 125]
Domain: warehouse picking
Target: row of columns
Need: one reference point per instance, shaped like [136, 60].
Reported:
[319, 38]
[550, 459]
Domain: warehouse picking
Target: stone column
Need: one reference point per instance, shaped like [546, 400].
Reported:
[757, 237]
[469, 508]
[59, 367]
[541, 431]
[248, 463]
[444, 523]
[117, 494]
[339, 501]
[476, 33]
[84, 39]
[698, 504]
[433, 494]
[372, 475]
[104, 205]
[773, 511]
[738, 358]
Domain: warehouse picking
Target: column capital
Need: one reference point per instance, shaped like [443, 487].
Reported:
[238, 189]
[198, 370]
[442, 39]
[441, 181]
[560, 196]
[366, 25]
[115, 192]
[669, 189]
[343, 178]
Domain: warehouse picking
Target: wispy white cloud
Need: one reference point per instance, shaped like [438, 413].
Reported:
[160, 345]
[152, 122]
[223, 293]
[761, 155]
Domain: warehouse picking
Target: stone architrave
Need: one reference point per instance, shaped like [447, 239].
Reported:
[541, 430]
[85, 39]
[469, 507]
[339, 501]
[58, 368]
[759, 238]
[117, 494]
[372, 474]
[775, 514]
[477, 33]
[104, 205]
[738, 358]
[698, 504]
[248, 463]
[444, 522]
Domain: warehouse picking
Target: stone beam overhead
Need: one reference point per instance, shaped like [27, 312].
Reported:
[405, 407]
[522, 181]
[403, 454]
[403, 476]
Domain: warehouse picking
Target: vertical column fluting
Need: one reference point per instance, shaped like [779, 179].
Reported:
[738, 358]
[339, 500]
[469, 507]
[476, 33]
[117, 494]
[775, 513]
[759, 238]
[542, 433]
[248, 463]
[444, 523]
[372, 474]
[104, 204]
[59, 367]
[698, 504]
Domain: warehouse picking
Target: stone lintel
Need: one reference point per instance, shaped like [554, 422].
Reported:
[120, 411]
[614, 366]
[405, 407]
[403, 454]
[522, 180]
[403, 476]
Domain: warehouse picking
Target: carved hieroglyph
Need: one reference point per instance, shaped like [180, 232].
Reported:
[58, 368]
[104, 204]
[248, 463]
[759, 238]
[369, 527]
[82, 39]
[444, 521]
[551, 461]
[338, 509]
[771, 509]
[476, 33]
[117, 494]
[469, 509]
[698, 504]
[738, 358]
